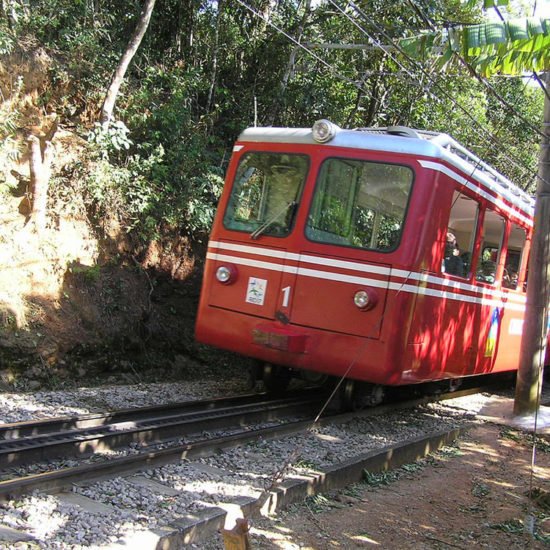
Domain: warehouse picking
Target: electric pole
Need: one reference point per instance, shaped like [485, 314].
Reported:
[535, 326]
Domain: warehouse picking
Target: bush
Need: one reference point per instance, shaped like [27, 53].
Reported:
[145, 189]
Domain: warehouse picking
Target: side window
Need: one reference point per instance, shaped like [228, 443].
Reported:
[460, 238]
[516, 246]
[360, 204]
[491, 246]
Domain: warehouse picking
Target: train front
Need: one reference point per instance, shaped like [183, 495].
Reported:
[300, 255]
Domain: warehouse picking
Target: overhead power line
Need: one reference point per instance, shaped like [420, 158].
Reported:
[527, 170]
[301, 45]
[388, 49]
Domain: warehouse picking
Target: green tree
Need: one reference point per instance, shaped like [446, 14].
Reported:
[127, 56]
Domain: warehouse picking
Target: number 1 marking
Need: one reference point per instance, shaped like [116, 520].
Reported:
[286, 295]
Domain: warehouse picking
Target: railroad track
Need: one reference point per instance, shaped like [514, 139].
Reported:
[48, 438]
[23, 443]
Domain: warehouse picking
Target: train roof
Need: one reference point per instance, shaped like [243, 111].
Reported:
[400, 139]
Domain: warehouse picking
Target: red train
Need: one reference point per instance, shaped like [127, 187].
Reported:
[390, 256]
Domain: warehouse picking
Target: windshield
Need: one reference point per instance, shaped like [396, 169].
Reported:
[360, 204]
[266, 190]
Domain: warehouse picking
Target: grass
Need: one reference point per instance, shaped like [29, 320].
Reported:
[381, 478]
[512, 526]
[321, 503]
[525, 439]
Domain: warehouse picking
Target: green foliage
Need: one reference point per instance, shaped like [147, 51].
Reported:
[202, 194]
[110, 138]
[202, 71]
[90, 274]
[10, 147]
[147, 194]
[6, 39]
[320, 503]
[306, 463]
[379, 479]
[512, 526]
[527, 440]
[510, 47]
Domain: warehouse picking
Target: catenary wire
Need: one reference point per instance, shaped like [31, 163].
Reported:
[525, 169]
[306, 49]
[337, 73]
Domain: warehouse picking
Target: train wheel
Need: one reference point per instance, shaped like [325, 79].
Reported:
[454, 384]
[356, 396]
[312, 377]
[276, 378]
[371, 395]
[347, 392]
[254, 375]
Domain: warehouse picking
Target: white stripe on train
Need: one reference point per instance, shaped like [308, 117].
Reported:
[350, 279]
[354, 266]
[487, 196]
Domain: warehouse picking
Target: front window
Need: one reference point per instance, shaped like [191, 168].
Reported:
[265, 193]
[360, 204]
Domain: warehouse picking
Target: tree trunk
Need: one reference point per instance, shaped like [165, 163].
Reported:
[535, 326]
[40, 160]
[214, 77]
[289, 72]
[263, 21]
[118, 76]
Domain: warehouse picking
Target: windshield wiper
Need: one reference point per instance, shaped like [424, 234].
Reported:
[255, 234]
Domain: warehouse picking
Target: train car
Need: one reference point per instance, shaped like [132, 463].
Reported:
[387, 256]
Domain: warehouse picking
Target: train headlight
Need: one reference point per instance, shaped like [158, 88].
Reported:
[365, 299]
[324, 130]
[226, 274]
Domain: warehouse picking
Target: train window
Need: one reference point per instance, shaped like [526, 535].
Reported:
[360, 204]
[489, 254]
[460, 238]
[265, 192]
[512, 266]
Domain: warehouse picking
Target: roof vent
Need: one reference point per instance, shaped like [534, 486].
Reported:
[403, 131]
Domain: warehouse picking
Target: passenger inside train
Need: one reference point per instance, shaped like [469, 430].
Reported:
[453, 262]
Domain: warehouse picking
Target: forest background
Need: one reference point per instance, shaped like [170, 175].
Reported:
[110, 280]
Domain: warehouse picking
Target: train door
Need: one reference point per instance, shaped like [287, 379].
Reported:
[514, 298]
[262, 204]
[489, 271]
[443, 330]
[357, 214]
[454, 318]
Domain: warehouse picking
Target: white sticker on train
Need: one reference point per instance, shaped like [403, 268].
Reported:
[255, 293]
[516, 327]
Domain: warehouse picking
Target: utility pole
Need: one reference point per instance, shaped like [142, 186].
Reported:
[535, 326]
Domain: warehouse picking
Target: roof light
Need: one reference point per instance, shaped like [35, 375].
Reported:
[324, 130]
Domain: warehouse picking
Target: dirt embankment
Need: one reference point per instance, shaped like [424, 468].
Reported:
[80, 288]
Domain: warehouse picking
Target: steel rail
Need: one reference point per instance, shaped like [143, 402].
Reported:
[148, 426]
[43, 426]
